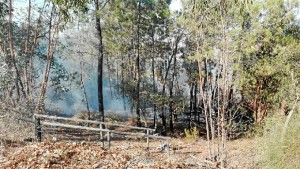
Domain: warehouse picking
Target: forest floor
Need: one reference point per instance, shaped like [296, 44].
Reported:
[72, 149]
[128, 153]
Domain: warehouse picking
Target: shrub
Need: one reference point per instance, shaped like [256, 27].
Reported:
[191, 134]
[276, 152]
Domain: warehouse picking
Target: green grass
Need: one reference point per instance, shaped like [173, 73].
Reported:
[275, 153]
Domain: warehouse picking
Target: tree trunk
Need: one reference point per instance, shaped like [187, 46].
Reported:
[166, 77]
[84, 93]
[138, 80]
[202, 86]
[53, 31]
[153, 75]
[33, 46]
[195, 102]
[12, 54]
[171, 104]
[100, 64]
[224, 83]
[26, 49]
[191, 105]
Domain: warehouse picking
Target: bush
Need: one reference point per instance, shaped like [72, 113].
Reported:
[191, 134]
[276, 152]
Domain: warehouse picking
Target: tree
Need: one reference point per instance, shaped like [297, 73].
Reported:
[129, 41]
[264, 60]
[54, 25]
[60, 11]
[100, 62]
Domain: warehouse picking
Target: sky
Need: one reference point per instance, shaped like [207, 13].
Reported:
[176, 5]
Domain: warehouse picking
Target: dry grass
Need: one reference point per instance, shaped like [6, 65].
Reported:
[126, 153]
[13, 129]
[275, 151]
[63, 153]
[278, 153]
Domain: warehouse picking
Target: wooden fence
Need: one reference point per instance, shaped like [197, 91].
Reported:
[39, 122]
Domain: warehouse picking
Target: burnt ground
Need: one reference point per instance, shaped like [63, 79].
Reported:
[122, 154]
[69, 148]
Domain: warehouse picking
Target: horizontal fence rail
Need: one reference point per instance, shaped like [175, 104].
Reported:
[39, 123]
[91, 121]
[104, 130]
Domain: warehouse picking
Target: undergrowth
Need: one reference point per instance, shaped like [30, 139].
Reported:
[191, 134]
[277, 151]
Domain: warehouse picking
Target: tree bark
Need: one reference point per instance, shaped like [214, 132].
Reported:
[138, 80]
[33, 46]
[100, 64]
[166, 77]
[12, 54]
[153, 74]
[26, 49]
[53, 31]
[171, 104]
[191, 105]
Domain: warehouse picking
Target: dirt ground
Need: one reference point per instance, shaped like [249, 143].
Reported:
[74, 149]
[128, 153]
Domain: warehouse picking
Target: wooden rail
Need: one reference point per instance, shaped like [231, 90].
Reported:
[91, 121]
[39, 123]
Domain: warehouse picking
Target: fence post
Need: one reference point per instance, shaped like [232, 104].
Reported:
[101, 135]
[108, 139]
[148, 139]
[38, 129]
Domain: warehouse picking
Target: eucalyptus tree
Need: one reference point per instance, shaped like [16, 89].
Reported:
[201, 19]
[239, 47]
[18, 44]
[209, 24]
[267, 43]
[100, 60]
[138, 28]
[60, 13]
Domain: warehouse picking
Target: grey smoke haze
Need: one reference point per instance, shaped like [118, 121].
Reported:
[72, 102]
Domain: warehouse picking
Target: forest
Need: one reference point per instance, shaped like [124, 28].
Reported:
[215, 70]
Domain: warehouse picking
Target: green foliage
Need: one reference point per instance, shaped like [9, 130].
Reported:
[263, 50]
[67, 7]
[3, 8]
[191, 134]
[278, 153]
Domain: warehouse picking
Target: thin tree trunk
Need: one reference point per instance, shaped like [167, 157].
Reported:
[12, 54]
[138, 80]
[191, 105]
[289, 117]
[171, 104]
[123, 86]
[53, 31]
[166, 77]
[26, 50]
[100, 64]
[296, 103]
[209, 102]
[224, 85]
[36, 32]
[110, 77]
[195, 102]
[84, 93]
[202, 91]
[153, 75]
